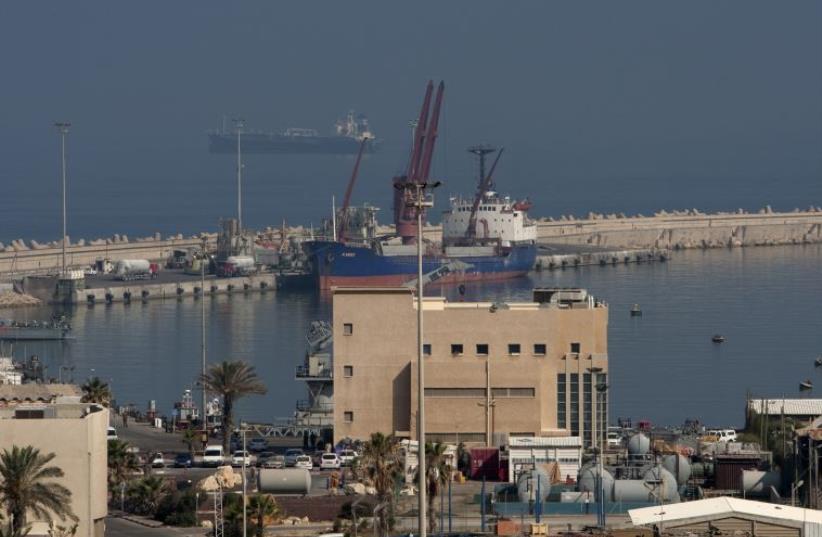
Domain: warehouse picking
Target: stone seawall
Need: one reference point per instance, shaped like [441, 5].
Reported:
[686, 231]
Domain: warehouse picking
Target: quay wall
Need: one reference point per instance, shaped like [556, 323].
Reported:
[685, 229]
[143, 291]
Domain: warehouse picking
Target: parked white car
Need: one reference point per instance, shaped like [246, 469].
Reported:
[240, 456]
[111, 434]
[347, 456]
[724, 435]
[213, 456]
[291, 456]
[329, 461]
[158, 461]
[305, 462]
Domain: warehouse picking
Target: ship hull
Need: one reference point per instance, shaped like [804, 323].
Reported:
[338, 265]
[278, 143]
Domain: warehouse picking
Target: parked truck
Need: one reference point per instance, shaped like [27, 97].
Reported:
[135, 269]
[236, 265]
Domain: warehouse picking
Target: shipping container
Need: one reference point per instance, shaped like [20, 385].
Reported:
[485, 463]
[728, 470]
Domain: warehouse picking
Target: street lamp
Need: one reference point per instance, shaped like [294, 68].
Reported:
[203, 340]
[239, 123]
[419, 199]
[63, 128]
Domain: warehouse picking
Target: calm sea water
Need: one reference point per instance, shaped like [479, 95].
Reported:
[664, 367]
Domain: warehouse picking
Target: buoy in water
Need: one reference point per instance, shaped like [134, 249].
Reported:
[718, 338]
[636, 311]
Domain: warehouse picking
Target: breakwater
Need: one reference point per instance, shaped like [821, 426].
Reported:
[663, 230]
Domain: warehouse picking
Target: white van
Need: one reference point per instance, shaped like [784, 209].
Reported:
[213, 456]
[722, 435]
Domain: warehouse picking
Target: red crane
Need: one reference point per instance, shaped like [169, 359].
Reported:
[347, 199]
[471, 231]
[419, 165]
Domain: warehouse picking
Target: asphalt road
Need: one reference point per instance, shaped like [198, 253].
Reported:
[117, 527]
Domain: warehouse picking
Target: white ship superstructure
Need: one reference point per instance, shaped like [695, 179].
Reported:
[497, 218]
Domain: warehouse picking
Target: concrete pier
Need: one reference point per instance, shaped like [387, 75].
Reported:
[568, 258]
[141, 291]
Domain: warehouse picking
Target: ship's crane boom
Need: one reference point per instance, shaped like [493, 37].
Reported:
[471, 231]
[348, 190]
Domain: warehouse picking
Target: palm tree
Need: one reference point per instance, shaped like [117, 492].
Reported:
[381, 464]
[232, 380]
[262, 507]
[122, 463]
[96, 391]
[9, 530]
[439, 472]
[26, 486]
[190, 438]
[147, 494]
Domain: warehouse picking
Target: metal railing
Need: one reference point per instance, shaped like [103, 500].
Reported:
[303, 371]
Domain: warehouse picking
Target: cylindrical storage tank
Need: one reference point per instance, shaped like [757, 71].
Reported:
[639, 444]
[759, 483]
[683, 473]
[662, 483]
[587, 481]
[632, 490]
[284, 481]
[527, 486]
[132, 266]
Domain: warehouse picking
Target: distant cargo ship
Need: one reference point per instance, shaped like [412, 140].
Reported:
[350, 131]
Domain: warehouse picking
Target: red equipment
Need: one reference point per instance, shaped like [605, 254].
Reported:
[419, 166]
[347, 200]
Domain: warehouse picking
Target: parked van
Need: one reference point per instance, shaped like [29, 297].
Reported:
[213, 456]
[722, 435]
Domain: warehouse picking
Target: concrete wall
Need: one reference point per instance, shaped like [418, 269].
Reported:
[382, 392]
[81, 450]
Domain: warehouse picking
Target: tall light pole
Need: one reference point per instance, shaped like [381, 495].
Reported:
[245, 503]
[204, 418]
[238, 125]
[63, 128]
[420, 201]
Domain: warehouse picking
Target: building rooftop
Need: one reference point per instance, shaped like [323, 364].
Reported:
[790, 407]
[722, 507]
[12, 394]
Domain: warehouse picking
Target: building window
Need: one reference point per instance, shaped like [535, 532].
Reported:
[513, 349]
[456, 349]
[482, 349]
[574, 381]
[348, 416]
[426, 349]
[348, 370]
[348, 329]
[575, 348]
[540, 349]
[562, 422]
[587, 405]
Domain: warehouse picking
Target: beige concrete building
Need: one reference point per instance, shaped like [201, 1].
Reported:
[543, 362]
[51, 418]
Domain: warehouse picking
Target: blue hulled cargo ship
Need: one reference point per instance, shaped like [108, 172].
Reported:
[486, 237]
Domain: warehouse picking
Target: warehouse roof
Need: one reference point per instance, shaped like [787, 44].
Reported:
[792, 407]
[721, 507]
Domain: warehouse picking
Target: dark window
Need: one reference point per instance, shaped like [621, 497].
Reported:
[348, 370]
[513, 349]
[348, 416]
[574, 385]
[540, 349]
[29, 414]
[426, 349]
[456, 349]
[482, 349]
[575, 348]
[348, 329]
[561, 418]
[586, 408]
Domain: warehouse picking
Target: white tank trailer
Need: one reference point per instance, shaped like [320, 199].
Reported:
[527, 486]
[237, 265]
[132, 269]
[284, 481]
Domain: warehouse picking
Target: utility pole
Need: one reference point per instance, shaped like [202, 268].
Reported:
[63, 128]
[238, 125]
[420, 201]
[203, 258]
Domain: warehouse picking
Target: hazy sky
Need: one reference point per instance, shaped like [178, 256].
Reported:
[599, 104]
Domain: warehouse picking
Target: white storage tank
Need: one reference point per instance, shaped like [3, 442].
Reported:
[670, 462]
[527, 485]
[284, 481]
[639, 444]
[587, 481]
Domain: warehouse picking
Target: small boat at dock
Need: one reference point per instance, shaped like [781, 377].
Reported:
[718, 338]
[805, 385]
[11, 330]
[818, 361]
